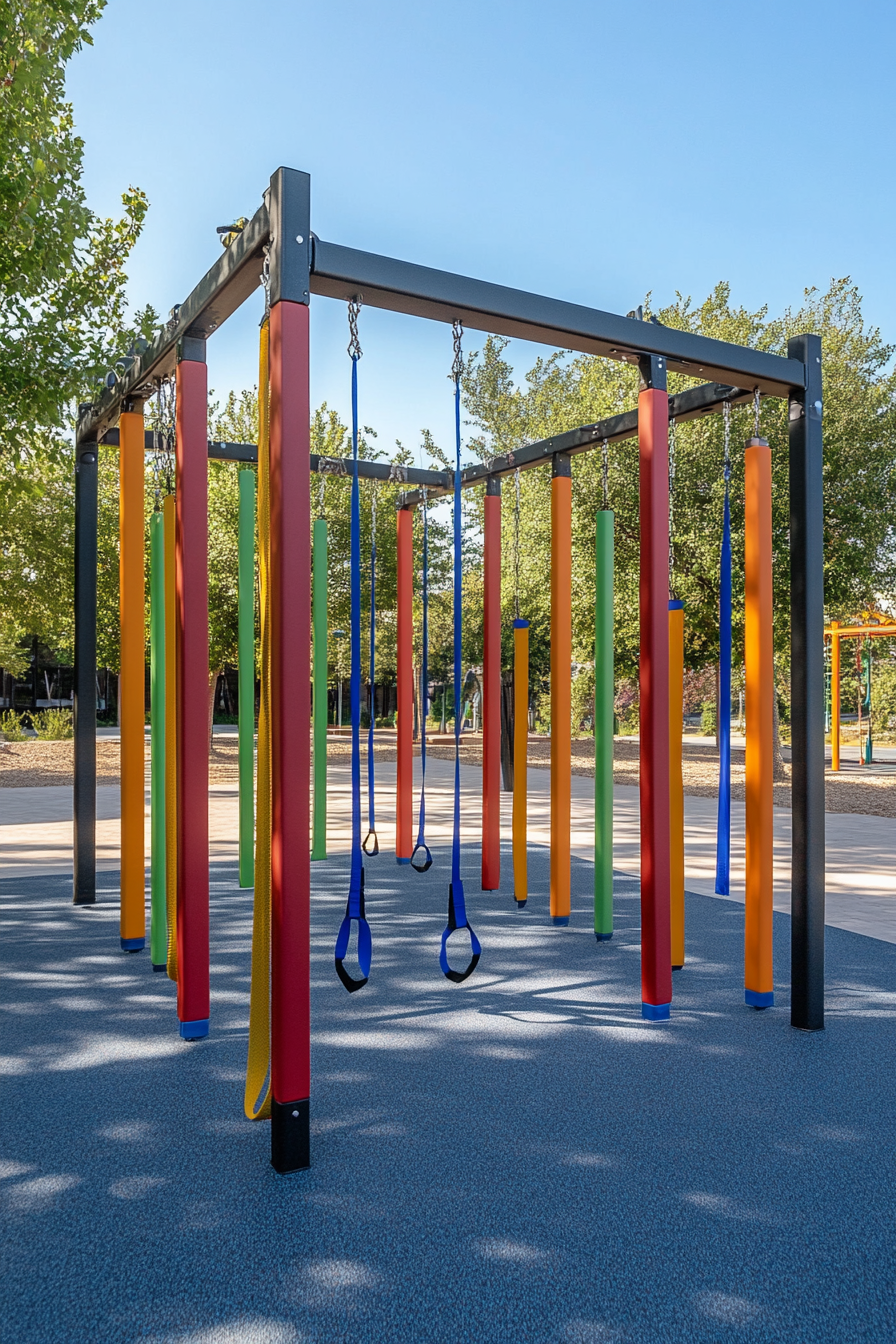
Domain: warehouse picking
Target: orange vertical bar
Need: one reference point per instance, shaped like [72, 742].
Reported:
[676, 783]
[561, 685]
[404, 774]
[760, 690]
[491, 690]
[132, 695]
[835, 698]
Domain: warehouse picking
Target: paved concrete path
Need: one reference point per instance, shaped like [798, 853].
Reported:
[516, 1160]
[35, 836]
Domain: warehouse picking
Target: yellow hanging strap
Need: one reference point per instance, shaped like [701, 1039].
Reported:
[168, 507]
[257, 1100]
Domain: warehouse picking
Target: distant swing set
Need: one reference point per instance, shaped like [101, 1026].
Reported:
[285, 829]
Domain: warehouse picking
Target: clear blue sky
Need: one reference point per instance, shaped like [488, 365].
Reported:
[592, 151]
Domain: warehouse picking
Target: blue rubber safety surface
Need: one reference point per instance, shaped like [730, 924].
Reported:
[521, 1158]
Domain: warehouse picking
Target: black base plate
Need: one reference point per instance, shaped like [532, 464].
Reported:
[290, 1136]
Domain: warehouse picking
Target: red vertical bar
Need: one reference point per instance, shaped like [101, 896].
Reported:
[653, 440]
[491, 691]
[191, 604]
[290, 706]
[404, 802]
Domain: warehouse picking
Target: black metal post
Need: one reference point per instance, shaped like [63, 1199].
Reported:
[807, 688]
[84, 685]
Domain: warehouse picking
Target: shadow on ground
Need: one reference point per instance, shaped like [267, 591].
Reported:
[517, 1159]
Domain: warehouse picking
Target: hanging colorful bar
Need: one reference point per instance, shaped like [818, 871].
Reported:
[760, 691]
[246, 666]
[491, 689]
[520, 760]
[132, 694]
[404, 803]
[603, 726]
[158, 934]
[319, 683]
[168, 515]
[561, 686]
[676, 782]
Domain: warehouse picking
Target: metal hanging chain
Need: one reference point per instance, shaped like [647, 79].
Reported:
[605, 462]
[756, 433]
[265, 278]
[457, 366]
[516, 545]
[726, 420]
[354, 344]
[672, 455]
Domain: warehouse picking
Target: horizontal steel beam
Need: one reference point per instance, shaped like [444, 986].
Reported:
[382, 282]
[234, 276]
[687, 405]
[368, 469]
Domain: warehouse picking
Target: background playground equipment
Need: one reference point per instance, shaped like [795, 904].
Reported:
[278, 242]
[871, 624]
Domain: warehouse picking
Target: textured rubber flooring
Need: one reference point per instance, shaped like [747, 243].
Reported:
[517, 1159]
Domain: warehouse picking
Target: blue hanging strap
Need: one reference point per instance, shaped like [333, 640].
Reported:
[457, 910]
[426, 864]
[354, 910]
[723, 833]
[371, 845]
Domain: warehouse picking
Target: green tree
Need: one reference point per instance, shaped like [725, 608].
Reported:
[62, 300]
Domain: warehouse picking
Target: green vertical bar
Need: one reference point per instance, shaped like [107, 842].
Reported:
[319, 626]
[158, 928]
[246, 656]
[603, 727]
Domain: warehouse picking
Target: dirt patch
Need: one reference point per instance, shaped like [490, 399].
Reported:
[31, 763]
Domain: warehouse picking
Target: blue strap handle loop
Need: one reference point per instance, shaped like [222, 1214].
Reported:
[354, 910]
[456, 906]
[425, 866]
[457, 910]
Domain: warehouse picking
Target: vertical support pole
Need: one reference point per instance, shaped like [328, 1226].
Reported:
[653, 444]
[676, 783]
[520, 761]
[191, 585]
[132, 684]
[835, 697]
[246, 668]
[158, 929]
[169, 513]
[561, 685]
[491, 689]
[604, 687]
[84, 691]
[319, 709]
[290, 495]
[760, 690]
[807, 688]
[404, 802]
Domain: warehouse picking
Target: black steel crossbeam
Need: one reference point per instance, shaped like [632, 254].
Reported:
[368, 469]
[687, 405]
[231, 280]
[382, 282]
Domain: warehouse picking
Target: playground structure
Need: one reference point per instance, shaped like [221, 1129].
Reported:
[277, 242]
[870, 625]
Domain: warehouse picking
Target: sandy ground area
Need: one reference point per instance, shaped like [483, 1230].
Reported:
[30, 764]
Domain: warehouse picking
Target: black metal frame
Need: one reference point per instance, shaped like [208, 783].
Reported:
[301, 264]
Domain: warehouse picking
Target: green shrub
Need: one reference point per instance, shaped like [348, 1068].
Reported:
[53, 725]
[11, 727]
[708, 718]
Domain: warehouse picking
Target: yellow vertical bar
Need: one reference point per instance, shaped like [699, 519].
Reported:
[168, 516]
[676, 783]
[520, 760]
[132, 693]
[760, 690]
